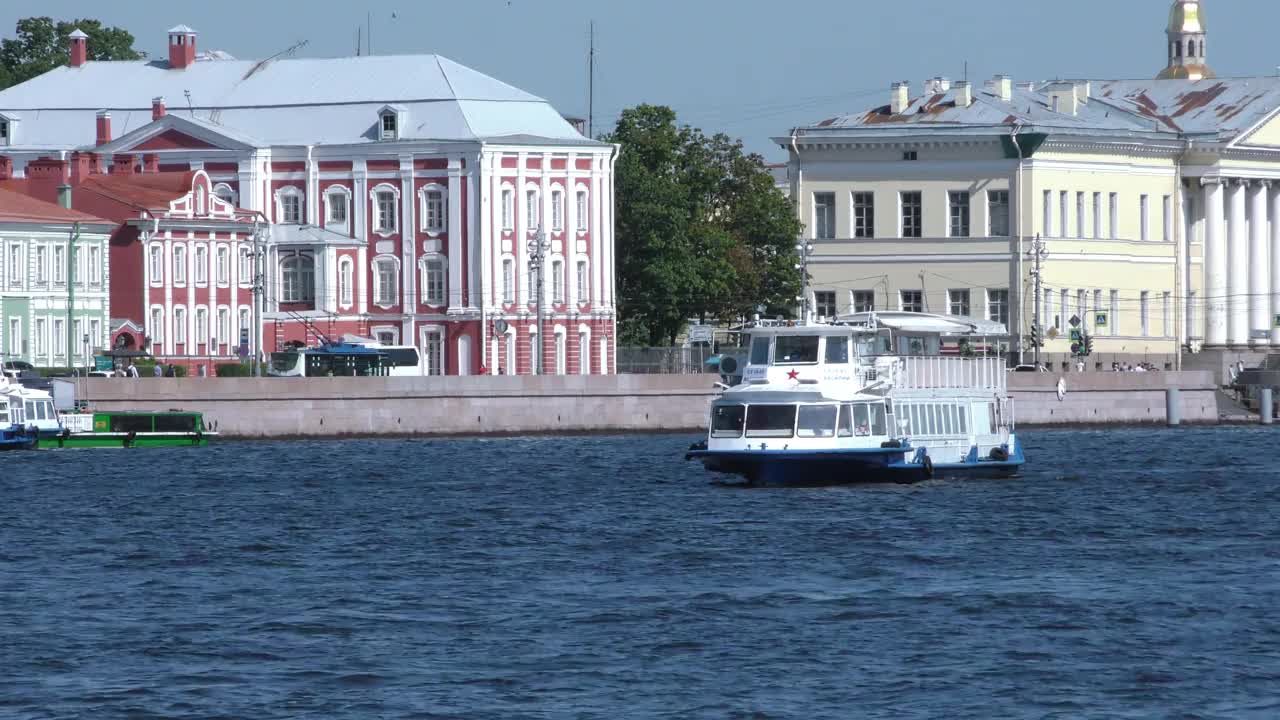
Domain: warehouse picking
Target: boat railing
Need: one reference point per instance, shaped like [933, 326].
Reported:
[943, 372]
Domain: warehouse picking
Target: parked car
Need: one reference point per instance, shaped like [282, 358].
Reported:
[19, 369]
[1028, 368]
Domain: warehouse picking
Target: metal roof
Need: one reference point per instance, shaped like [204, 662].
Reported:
[1219, 108]
[283, 102]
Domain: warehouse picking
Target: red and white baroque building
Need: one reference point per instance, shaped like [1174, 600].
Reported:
[401, 205]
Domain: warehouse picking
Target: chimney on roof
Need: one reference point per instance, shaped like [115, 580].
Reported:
[964, 94]
[157, 108]
[79, 48]
[1084, 90]
[64, 196]
[103, 135]
[6, 167]
[936, 85]
[122, 165]
[150, 163]
[1004, 88]
[182, 47]
[81, 165]
[46, 168]
[1063, 98]
[901, 97]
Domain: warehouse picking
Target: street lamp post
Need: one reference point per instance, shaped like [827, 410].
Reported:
[538, 247]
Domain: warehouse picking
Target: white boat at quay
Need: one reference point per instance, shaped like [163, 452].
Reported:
[890, 396]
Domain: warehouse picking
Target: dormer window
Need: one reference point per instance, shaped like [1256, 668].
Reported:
[4, 132]
[8, 129]
[391, 118]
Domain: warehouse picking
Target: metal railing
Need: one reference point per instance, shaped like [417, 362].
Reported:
[663, 361]
[941, 372]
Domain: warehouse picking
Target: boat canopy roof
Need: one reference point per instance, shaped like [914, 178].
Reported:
[926, 323]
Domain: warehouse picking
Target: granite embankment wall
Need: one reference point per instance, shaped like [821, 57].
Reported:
[276, 407]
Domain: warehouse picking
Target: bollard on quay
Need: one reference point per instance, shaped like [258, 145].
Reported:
[1265, 409]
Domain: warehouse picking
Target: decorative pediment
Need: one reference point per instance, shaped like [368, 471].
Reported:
[176, 133]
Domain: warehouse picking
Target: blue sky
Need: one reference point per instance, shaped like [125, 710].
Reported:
[749, 68]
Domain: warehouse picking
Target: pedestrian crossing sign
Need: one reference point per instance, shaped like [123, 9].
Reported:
[1100, 320]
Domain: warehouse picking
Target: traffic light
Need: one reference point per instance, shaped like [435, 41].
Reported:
[1088, 345]
[1035, 339]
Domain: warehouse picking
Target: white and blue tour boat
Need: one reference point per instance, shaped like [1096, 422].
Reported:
[870, 397]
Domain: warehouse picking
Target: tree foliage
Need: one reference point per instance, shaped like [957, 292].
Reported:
[701, 230]
[40, 45]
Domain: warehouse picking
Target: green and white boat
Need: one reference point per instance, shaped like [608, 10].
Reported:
[120, 429]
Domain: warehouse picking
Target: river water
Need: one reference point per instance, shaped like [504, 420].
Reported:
[1126, 573]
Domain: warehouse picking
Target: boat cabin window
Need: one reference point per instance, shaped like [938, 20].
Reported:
[176, 423]
[771, 421]
[816, 421]
[863, 420]
[919, 345]
[727, 420]
[796, 350]
[131, 423]
[932, 419]
[837, 351]
[4, 412]
[759, 351]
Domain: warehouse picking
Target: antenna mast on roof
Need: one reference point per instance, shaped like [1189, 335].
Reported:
[190, 109]
[591, 84]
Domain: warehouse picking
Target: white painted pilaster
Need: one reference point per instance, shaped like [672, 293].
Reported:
[1237, 266]
[1215, 263]
[454, 290]
[1259, 264]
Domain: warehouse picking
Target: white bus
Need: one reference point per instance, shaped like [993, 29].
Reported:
[402, 360]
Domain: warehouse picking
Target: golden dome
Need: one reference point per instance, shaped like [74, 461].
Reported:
[1187, 72]
[1186, 16]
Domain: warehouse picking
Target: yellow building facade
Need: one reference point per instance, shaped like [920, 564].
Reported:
[1145, 210]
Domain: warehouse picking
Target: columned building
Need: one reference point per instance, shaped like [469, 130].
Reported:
[1155, 204]
[406, 195]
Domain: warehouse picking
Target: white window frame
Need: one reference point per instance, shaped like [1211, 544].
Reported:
[95, 264]
[1166, 312]
[222, 265]
[291, 191]
[201, 255]
[508, 280]
[992, 303]
[222, 330]
[863, 214]
[855, 298]
[824, 215]
[376, 210]
[1081, 223]
[226, 193]
[59, 261]
[557, 281]
[41, 337]
[58, 345]
[15, 338]
[1167, 232]
[330, 193]
[582, 210]
[155, 264]
[557, 208]
[560, 350]
[902, 300]
[583, 280]
[179, 259]
[508, 207]
[584, 350]
[902, 217]
[967, 296]
[817, 310]
[433, 365]
[302, 288]
[1097, 215]
[1048, 214]
[1114, 213]
[201, 329]
[346, 282]
[380, 295]
[1144, 211]
[393, 132]
[155, 326]
[1064, 212]
[992, 197]
[440, 224]
[440, 280]
[179, 325]
[959, 214]
[532, 207]
[244, 266]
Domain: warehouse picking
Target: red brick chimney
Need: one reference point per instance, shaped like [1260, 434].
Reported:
[104, 128]
[182, 47]
[79, 48]
[80, 166]
[95, 164]
[157, 108]
[48, 169]
[150, 163]
[6, 167]
[122, 165]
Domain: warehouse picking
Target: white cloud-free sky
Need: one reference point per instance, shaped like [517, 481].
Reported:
[749, 68]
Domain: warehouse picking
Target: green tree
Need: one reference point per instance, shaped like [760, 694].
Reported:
[40, 45]
[701, 230]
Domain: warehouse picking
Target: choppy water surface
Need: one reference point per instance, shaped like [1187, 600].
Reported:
[1129, 573]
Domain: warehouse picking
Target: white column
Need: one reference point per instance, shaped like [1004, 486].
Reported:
[1259, 265]
[1237, 267]
[1275, 264]
[1215, 264]
[455, 236]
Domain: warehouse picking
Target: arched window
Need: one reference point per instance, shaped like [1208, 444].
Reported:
[298, 279]
[508, 208]
[224, 265]
[508, 281]
[225, 193]
[532, 211]
[337, 207]
[1175, 50]
[557, 209]
[346, 275]
[179, 325]
[583, 283]
[289, 205]
[386, 215]
[433, 281]
[434, 209]
[1191, 48]
[584, 353]
[557, 282]
[582, 217]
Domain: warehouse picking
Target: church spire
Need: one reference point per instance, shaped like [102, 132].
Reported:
[1186, 43]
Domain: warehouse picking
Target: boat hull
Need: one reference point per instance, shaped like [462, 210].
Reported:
[784, 467]
[15, 438]
[128, 440]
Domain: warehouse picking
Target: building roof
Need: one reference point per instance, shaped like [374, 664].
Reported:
[290, 101]
[17, 207]
[1218, 109]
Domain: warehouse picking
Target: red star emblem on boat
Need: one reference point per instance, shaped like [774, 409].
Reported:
[793, 375]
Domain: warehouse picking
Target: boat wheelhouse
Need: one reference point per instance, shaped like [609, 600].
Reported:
[873, 396]
[13, 436]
